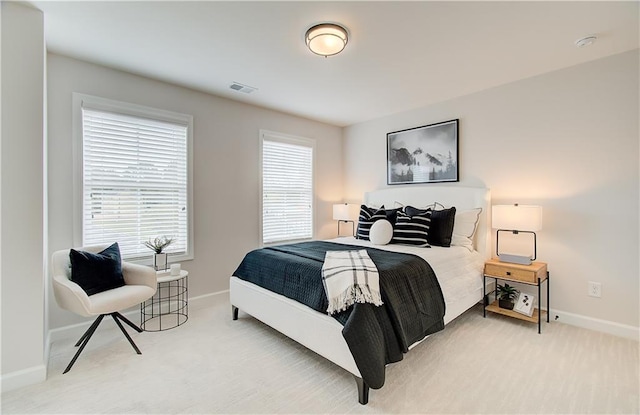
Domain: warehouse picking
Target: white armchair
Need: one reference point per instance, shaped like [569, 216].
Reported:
[140, 285]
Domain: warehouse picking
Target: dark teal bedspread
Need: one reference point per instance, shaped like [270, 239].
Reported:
[413, 303]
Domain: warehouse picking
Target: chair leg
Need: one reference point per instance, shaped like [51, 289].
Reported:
[84, 340]
[91, 329]
[115, 318]
[126, 320]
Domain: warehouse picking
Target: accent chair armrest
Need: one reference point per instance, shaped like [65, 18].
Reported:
[71, 296]
[135, 274]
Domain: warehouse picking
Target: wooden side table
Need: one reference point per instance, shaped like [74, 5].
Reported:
[534, 274]
[169, 307]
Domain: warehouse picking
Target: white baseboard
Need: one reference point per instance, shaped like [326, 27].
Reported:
[76, 330]
[24, 377]
[604, 326]
[617, 329]
[205, 299]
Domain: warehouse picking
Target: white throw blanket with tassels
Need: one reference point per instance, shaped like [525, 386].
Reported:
[350, 277]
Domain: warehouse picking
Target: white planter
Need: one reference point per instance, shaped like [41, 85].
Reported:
[160, 262]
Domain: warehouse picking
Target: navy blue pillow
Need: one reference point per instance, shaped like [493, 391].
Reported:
[441, 227]
[95, 273]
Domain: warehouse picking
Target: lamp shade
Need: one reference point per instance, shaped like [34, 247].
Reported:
[516, 217]
[341, 212]
[326, 39]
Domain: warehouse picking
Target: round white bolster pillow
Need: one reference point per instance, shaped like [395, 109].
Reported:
[381, 232]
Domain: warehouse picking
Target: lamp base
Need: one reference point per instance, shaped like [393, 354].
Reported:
[515, 259]
[353, 228]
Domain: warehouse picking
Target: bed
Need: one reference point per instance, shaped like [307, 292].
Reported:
[458, 270]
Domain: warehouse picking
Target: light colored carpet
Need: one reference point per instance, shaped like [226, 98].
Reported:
[215, 365]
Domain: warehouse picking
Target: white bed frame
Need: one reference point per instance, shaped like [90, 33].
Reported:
[323, 334]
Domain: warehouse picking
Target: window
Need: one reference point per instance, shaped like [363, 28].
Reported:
[135, 176]
[287, 187]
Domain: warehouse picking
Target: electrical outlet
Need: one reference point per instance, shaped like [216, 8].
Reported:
[595, 289]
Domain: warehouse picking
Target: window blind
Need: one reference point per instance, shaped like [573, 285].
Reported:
[134, 182]
[287, 191]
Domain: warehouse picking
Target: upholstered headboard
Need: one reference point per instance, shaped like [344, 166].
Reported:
[462, 198]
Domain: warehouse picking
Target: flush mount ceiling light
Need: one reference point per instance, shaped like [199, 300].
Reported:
[326, 39]
[586, 41]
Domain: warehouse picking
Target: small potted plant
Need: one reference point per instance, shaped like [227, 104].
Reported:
[158, 245]
[506, 296]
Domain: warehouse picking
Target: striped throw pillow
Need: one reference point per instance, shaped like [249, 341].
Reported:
[367, 217]
[412, 230]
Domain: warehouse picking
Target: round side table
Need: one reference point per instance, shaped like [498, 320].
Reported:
[169, 306]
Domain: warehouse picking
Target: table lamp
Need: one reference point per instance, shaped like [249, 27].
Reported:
[516, 219]
[341, 214]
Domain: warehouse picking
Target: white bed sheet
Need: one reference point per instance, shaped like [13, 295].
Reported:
[459, 270]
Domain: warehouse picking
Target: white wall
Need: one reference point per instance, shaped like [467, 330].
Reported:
[226, 176]
[23, 72]
[566, 140]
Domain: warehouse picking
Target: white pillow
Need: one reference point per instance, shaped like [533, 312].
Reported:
[381, 232]
[464, 227]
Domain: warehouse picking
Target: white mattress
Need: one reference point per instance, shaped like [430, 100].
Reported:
[459, 270]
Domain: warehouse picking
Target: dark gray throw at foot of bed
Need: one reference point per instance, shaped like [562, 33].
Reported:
[413, 303]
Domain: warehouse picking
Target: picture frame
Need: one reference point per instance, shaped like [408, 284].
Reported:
[427, 154]
[526, 304]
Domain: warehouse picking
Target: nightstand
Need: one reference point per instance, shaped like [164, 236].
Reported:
[534, 274]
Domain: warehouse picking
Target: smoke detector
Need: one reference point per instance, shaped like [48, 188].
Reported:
[586, 41]
[237, 86]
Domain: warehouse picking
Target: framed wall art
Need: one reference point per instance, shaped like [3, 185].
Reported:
[427, 154]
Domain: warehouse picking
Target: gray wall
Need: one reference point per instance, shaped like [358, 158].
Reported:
[225, 162]
[22, 218]
[566, 140]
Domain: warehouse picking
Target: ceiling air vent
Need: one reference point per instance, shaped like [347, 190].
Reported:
[236, 86]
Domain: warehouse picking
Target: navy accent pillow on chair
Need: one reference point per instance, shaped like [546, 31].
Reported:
[441, 227]
[95, 273]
